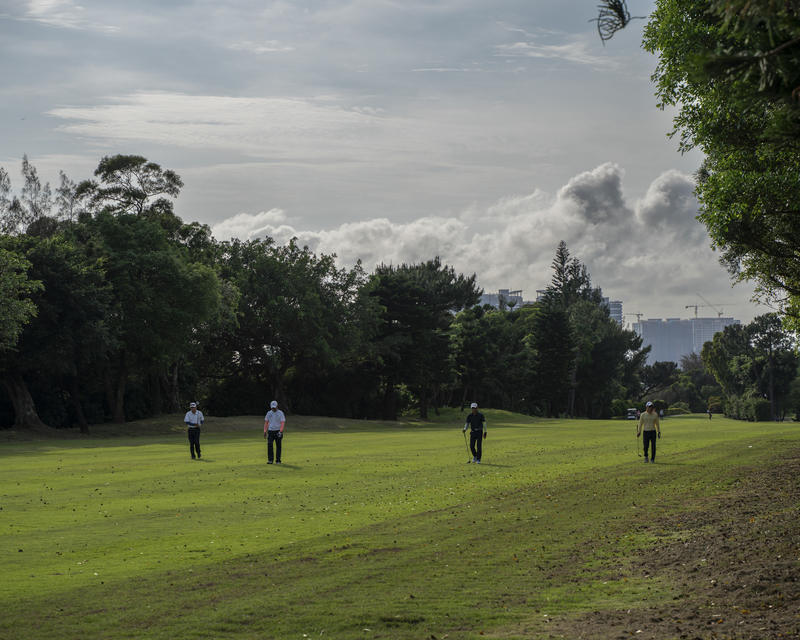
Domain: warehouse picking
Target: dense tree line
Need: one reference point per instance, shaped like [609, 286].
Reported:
[756, 367]
[747, 372]
[114, 309]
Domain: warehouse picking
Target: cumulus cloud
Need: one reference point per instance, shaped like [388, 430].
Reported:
[670, 202]
[645, 252]
[248, 227]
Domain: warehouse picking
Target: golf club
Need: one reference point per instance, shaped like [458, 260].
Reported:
[469, 453]
[637, 447]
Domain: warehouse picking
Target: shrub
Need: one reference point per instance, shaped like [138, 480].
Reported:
[620, 407]
[716, 404]
[661, 405]
[761, 410]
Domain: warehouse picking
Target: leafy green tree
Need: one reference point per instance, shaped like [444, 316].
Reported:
[768, 336]
[297, 312]
[589, 324]
[757, 360]
[659, 375]
[491, 357]
[160, 297]
[731, 68]
[604, 354]
[718, 356]
[552, 357]
[420, 300]
[130, 184]
[16, 308]
[69, 334]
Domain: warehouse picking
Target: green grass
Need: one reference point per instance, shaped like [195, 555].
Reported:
[378, 526]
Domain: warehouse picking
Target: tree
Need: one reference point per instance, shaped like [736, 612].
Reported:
[414, 339]
[297, 312]
[571, 281]
[491, 358]
[718, 357]
[767, 335]
[69, 333]
[33, 206]
[552, 358]
[712, 58]
[754, 361]
[160, 297]
[16, 308]
[657, 376]
[130, 184]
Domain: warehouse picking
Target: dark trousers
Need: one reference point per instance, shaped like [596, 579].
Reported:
[194, 441]
[649, 438]
[274, 436]
[475, 440]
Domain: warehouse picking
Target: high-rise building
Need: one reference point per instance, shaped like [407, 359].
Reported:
[673, 338]
[703, 330]
[614, 310]
[514, 297]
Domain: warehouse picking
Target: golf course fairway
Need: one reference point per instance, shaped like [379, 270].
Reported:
[382, 530]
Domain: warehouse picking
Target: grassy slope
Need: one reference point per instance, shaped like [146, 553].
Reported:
[364, 526]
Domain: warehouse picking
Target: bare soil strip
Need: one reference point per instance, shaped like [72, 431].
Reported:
[734, 561]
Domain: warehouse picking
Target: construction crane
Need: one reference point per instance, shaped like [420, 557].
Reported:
[708, 304]
[638, 319]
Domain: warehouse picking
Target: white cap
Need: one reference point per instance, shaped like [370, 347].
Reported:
[474, 405]
[273, 404]
[649, 404]
[192, 405]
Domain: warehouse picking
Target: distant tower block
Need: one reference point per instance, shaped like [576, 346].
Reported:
[507, 295]
[615, 311]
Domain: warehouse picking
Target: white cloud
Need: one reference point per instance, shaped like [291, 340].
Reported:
[576, 52]
[248, 227]
[63, 14]
[270, 46]
[647, 253]
[260, 127]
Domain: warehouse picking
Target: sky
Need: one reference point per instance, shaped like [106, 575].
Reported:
[481, 131]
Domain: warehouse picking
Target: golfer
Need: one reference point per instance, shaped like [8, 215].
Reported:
[648, 424]
[193, 420]
[477, 424]
[273, 431]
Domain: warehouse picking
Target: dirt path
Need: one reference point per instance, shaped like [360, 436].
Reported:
[735, 570]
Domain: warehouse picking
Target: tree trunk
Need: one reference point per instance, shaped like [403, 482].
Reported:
[389, 408]
[25, 416]
[280, 396]
[571, 409]
[464, 398]
[76, 401]
[773, 413]
[423, 402]
[170, 390]
[435, 394]
[155, 393]
[116, 396]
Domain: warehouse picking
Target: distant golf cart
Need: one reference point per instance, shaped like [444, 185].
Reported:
[631, 414]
